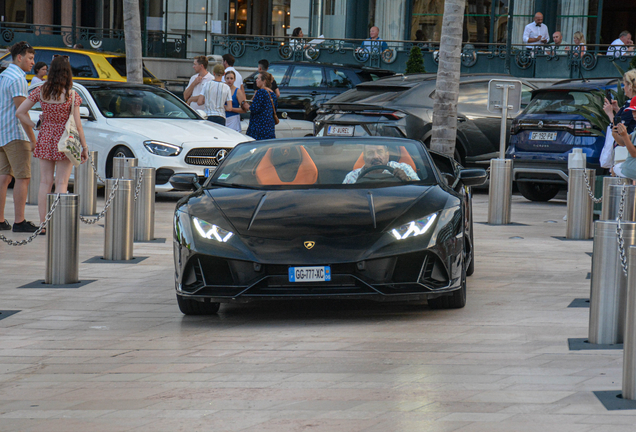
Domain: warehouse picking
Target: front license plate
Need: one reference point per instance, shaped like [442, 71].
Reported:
[310, 274]
[340, 130]
[543, 136]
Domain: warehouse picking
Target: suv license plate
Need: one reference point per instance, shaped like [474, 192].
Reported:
[543, 136]
[340, 130]
[310, 274]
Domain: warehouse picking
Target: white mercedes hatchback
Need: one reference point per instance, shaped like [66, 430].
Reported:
[152, 125]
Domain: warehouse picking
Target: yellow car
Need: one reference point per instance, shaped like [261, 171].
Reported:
[88, 64]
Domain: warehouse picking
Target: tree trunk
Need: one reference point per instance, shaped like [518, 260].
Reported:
[447, 86]
[132, 33]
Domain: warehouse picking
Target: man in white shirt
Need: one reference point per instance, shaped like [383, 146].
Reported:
[216, 97]
[622, 45]
[228, 64]
[195, 86]
[378, 155]
[536, 33]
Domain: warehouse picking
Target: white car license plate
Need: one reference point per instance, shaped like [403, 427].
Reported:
[340, 130]
[543, 136]
[310, 274]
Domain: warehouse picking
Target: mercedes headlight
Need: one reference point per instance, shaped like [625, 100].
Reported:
[414, 228]
[161, 148]
[211, 231]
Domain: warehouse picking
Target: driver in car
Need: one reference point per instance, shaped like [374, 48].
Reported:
[378, 155]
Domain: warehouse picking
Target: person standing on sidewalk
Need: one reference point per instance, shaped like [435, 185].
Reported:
[197, 82]
[16, 140]
[216, 97]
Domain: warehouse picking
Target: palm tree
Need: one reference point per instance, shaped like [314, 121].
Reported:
[447, 88]
[132, 33]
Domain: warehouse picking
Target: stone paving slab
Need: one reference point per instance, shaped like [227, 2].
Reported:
[117, 355]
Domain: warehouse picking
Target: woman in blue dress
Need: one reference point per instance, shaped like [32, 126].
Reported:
[262, 108]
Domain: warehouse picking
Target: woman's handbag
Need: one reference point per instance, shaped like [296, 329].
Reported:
[69, 143]
[607, 155]
[276, 121]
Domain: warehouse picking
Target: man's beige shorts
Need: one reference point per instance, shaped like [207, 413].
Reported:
[15, 159]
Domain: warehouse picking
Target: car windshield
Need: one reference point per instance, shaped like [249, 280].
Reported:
[558, 102]
[325, 162]
[140, 103]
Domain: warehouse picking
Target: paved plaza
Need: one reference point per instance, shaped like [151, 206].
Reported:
[117, 354]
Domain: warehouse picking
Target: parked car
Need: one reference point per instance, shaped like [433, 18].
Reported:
[88, 64]
[151, 124]
[402, 106]
[277, 222]
[547, 131]
[304, 86]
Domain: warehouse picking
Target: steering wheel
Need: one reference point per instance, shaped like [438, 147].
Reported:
[366, 171]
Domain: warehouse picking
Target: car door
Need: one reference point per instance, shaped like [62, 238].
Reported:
[304, 92]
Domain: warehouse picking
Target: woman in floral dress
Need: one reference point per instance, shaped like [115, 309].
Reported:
[261, 109]
[56, 109]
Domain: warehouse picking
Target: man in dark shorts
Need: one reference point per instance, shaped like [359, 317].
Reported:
[263, 65]
[16, 142]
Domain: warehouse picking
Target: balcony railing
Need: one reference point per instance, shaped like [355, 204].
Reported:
[157, 44]
[548, 61]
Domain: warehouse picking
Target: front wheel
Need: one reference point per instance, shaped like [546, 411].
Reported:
[456, 300]
[538, 191]
[193, 307]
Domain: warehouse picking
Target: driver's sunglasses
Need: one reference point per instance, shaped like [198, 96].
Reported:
[65, 57]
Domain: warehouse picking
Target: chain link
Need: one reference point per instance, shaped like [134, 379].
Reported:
[619, 231]
[109, 201]
[139, 180]
[38, 231]
[590, 192]
[90, 159]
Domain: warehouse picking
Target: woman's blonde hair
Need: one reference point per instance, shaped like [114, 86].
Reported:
[630, 78]
[580, 37]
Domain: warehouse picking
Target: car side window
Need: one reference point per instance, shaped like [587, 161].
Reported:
[526, 95]
[475, 93]
[278, 72]
[82, 66]
[338, 79]
[306, 76]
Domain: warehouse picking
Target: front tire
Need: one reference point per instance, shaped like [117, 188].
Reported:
[193, 307]
[456, 300]
[538, 191]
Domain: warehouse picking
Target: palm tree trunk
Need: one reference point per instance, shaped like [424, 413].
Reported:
[132, 33]
[447, 87]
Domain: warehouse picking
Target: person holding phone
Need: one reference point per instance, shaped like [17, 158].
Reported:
[623, 138]
[620, 114]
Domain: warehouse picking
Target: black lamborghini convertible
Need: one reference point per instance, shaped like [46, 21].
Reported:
[372, 217]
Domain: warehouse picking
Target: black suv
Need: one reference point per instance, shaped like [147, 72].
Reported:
[402, 106]
[304, 86]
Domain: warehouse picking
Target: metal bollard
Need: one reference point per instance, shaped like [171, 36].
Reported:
[62, 241]
[607, 182]
[34, 183]
[145, 204]
[613, 199]
[629, 341]
[86, 185]
[608, 283]
[500, 191]
[118, 225]
[580, 207]
[120, 164]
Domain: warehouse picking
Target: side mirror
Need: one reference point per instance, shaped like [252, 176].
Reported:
[473, 176]
[284, 115]
[85, 112]
[185, 182]
[202, 114]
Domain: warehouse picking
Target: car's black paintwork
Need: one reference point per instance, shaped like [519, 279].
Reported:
[366, 261]
[402, 106]
[301, 102]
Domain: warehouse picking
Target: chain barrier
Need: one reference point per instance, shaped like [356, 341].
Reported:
[38, 231]
[139, 180]
[95, 170]
[109, 201]
[590, 192]
[619, 232]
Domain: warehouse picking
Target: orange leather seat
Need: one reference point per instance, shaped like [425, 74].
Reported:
[405, 157]
[266, 172]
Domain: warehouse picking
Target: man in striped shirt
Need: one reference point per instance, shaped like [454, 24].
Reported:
[16, 140]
